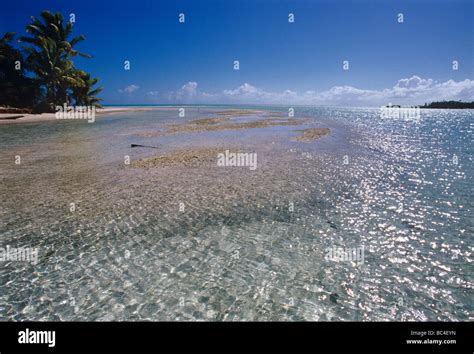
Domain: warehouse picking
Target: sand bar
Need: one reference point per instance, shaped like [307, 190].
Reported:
[220, 124]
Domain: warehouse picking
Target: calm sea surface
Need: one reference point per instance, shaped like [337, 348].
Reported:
[214, 243]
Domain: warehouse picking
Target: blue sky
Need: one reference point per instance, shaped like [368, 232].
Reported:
[280, 62]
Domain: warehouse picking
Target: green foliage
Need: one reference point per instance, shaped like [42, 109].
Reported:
[16, 89]
[85, 95]
[47, 57]
[449, 104]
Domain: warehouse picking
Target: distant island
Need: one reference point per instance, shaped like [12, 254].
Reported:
[438, 105]
[449, 105]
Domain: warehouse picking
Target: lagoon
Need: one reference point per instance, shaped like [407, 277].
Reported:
[174, 226]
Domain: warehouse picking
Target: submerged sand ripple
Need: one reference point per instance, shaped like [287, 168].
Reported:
[220, 124]
[312, 134]
[238, 112]
[182, 158]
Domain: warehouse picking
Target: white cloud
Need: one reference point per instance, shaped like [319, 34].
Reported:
[187, 92]
[413, 82]
[188, 89]
[129, 89]
[247, 93]
[245, 89]
[408, 91]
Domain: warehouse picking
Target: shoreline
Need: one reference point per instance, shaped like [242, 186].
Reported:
[9, 118]
[19, 118]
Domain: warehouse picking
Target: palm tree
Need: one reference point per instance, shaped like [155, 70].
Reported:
[49, 57]
[6, 49]
[16, 89]
[85, 95]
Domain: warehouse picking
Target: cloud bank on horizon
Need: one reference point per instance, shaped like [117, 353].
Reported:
[129, 89]
[408, 91]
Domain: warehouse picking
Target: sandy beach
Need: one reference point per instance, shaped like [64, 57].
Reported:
[15, 118]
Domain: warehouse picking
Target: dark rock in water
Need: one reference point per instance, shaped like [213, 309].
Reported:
[145, 146]
[333, 298]
[11, 117]
[331, 224]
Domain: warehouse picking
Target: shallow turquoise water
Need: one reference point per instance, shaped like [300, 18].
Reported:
[400, 189]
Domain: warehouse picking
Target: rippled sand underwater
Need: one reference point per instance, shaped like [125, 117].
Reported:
[204, 242]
